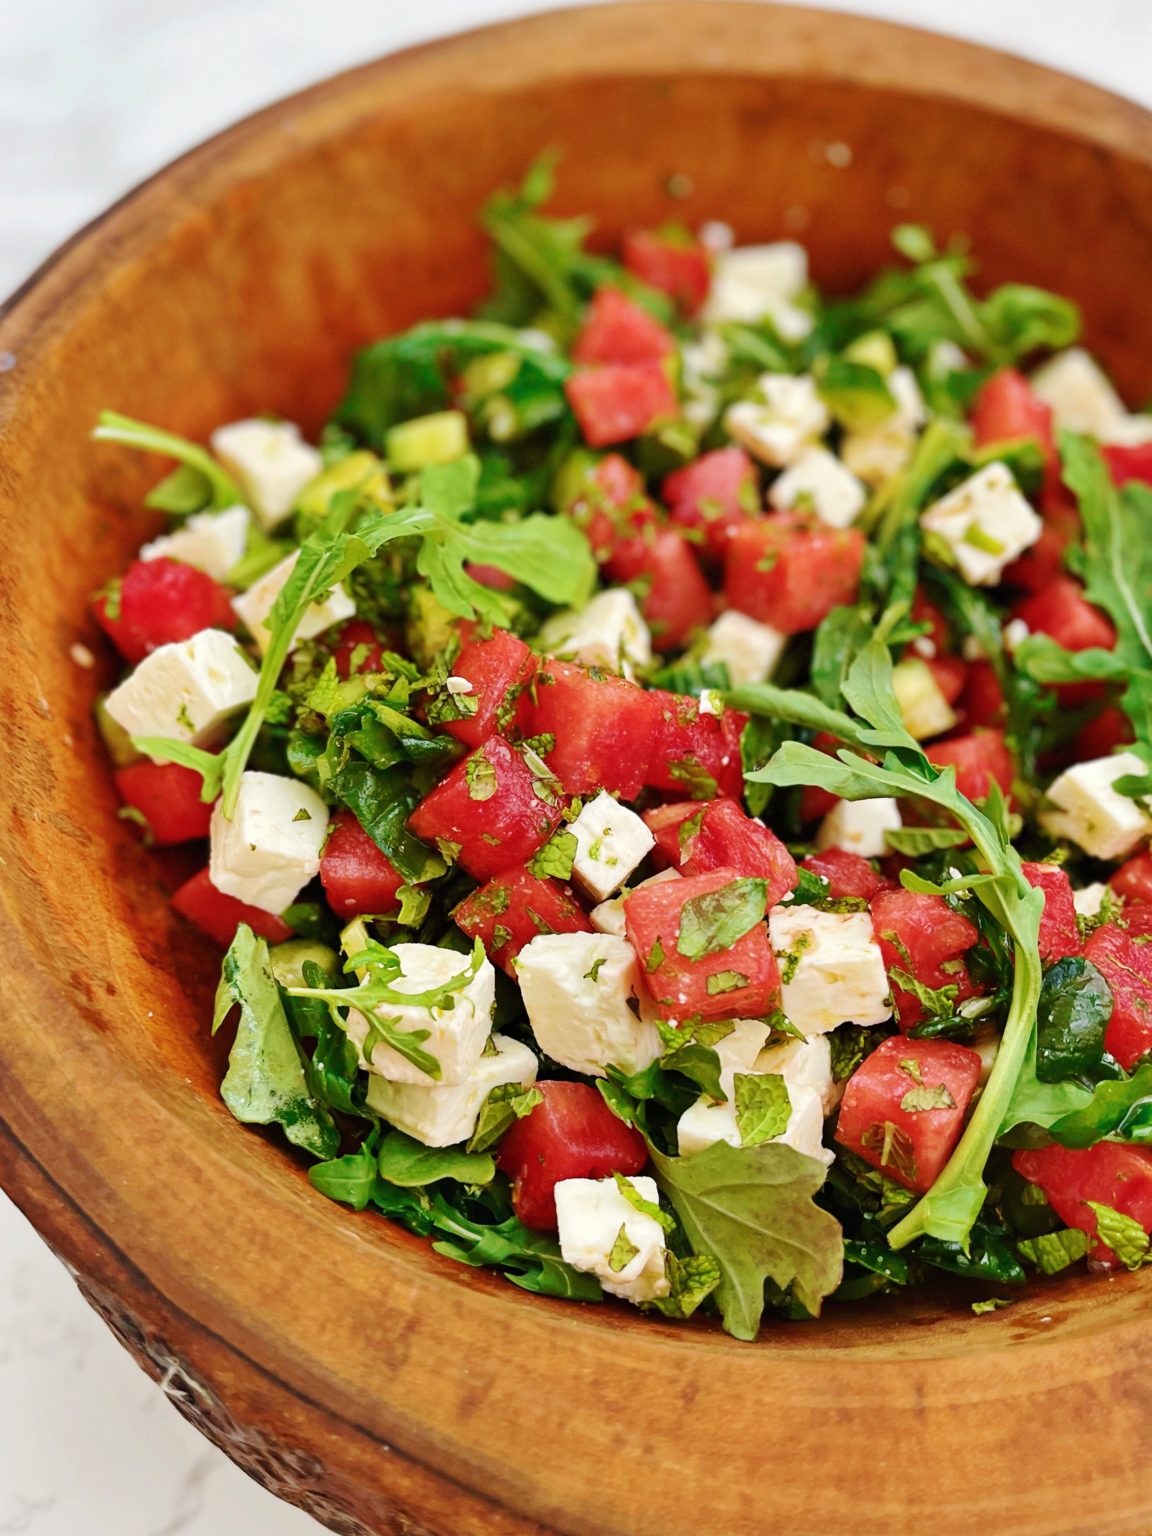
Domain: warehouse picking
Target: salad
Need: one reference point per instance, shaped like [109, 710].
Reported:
[676, 764]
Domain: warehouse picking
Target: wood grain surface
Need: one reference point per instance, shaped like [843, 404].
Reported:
[339, 1360]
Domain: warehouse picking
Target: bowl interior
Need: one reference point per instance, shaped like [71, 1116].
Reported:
[241, 281]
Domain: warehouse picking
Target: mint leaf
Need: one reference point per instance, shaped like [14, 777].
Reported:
[1053, 1251]
[622, 1252]
[692, 1280]
[646, 1207]
[763, 1106]
[266, 1082]
[1122, 1233]
[555, 858]
[751, 1210]
[716, 920]
[507, 1103]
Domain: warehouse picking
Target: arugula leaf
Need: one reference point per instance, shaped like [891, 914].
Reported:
[751, 1210]
[203, 482]
[410, 375]
[531, 1260]
[350, 1179]
[950, 1208]
[410, 1164]
[1119, 1110]
[266, 1082]
[713, 922]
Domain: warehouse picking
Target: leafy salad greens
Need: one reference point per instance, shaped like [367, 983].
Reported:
[676, 763]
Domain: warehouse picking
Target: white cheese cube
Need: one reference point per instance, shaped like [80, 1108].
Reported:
[879, 455]
[831, 968]
[1079, 393]
[985, 522]
[604, 1235]
[442, 1114]
[806, 1068]
[1129, 432]
[211, 541]
[783, 422]
[254, 606]
[1090, 898]
[608, 632]
[186, 690]
[819, 482]
[611, 842]
[271, 461]
[759, 282]
[750, 650]
[923, 707]
[457, 1034]
[608, 917]
[578, 991]
[910, 412]
[860, 826]
[1089, 812]
[270, 849]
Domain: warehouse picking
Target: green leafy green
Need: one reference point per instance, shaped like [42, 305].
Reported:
[1071, 1017]
[1119, 1110]
[505, 1104]
[410, 1164]
[763, 1106]
[199, 482]
[716, 920]
[1051, 1252]
[351, 1179]
[950, 1208]
[751, 1210]
[266, 1082]
[692, 1280]
[1123, 1234]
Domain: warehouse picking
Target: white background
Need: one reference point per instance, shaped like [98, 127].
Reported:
[94, 95]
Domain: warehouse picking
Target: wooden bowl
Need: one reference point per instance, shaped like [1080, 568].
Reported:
[338, 1360]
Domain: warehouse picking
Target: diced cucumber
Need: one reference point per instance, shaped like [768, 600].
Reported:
[288, 961]
[925, 710]
[435, 439]
[359, 469]
[875, 349]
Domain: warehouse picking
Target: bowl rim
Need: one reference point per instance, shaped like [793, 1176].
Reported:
[237, 1371]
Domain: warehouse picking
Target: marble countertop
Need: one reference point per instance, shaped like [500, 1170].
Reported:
[94, 95]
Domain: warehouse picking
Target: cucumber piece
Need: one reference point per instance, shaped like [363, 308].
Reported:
[288, 961]
[435, 439]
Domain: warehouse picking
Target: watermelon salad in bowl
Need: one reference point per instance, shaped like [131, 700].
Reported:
[673, 765]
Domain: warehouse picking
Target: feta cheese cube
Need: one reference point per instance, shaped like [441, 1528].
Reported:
[607, 632]
[186, 690]
[860, 826]
[985, 522]
[750, 650]
[760, 282]
[879, 455]
[254, 606]
[579, 991]
[783, 422]
[457, 1034]
[923, 707]
[1129, 432]
[1088, 811]
[910, 412]
[608, 917]
[831, 968]
[603, 1234]
[270, 849]
[1079, 393]
[271, 461]
[1090, 898]
[611, 842]
[806, 1068]
[211, 541]
[442, 1114]
[818, 481]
